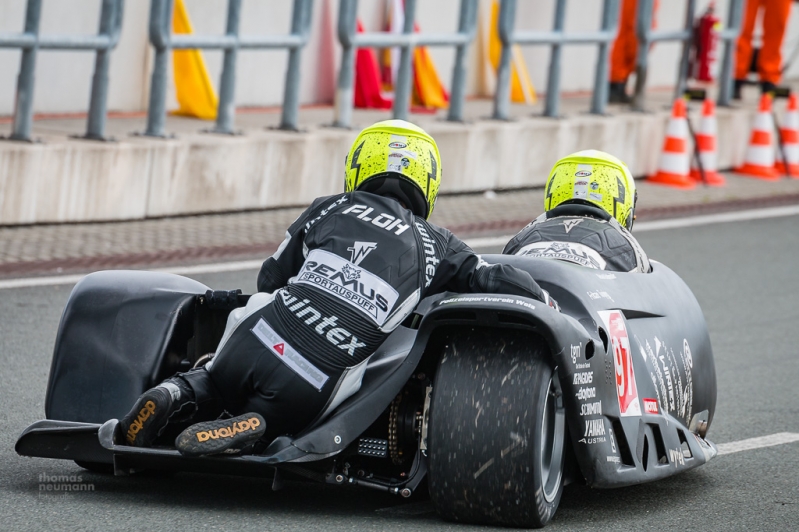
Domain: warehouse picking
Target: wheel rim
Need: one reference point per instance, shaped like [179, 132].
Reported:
[551, 455]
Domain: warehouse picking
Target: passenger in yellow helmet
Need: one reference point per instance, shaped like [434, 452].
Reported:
[590, 208]
[352, 268]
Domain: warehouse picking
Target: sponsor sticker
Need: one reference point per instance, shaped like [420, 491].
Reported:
[288, 355]
[586, 393]
[382, 220]
[599, 294]
[583, 377]
[345, 281]
[567, 251]
[487, 299]
[575, 352]
[650, 406]
[677, 457]
[591, 409]
[594, 431]
[626, 389]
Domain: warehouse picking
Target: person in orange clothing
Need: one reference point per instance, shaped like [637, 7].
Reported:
[625, 51]
[769, 61]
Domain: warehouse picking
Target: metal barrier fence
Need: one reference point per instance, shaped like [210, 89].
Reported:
[556, 38]
[407, 40]
[30, 42]
[164, 41]
[729, 35]
[647, 36]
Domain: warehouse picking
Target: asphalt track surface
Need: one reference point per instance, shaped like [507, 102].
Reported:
[746, 278]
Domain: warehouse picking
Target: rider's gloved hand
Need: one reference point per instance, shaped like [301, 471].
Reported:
[549, 300]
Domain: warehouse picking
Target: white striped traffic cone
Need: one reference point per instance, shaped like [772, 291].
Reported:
[790, 139]
[675, 161]
[759, 159]
[706, 146]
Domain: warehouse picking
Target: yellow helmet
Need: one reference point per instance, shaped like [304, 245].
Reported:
[396, 158]
[596, 178]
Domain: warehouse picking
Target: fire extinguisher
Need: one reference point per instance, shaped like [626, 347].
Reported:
[706, 40]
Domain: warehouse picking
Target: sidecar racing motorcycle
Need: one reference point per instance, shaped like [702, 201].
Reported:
[495, 401]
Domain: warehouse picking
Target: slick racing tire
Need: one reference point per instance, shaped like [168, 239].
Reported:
[497, 430]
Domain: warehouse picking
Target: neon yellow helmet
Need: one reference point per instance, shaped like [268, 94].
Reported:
[593, 177]
[399, 159]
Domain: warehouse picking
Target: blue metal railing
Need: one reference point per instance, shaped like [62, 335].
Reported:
[647, 36]
[30, 42]
[164, 41]
[556, 39]
[407, 40]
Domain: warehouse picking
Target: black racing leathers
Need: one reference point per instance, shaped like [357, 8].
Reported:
[582, 234]
[358, 264]
[351, 269]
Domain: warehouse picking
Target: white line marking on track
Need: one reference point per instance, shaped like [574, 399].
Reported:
[756, 443]
[219, 267]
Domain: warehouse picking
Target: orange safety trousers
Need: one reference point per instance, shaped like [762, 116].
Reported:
[625, 47]
[775, 18]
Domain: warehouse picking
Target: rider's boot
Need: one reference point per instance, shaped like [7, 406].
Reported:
[214, 437]
[153, 410]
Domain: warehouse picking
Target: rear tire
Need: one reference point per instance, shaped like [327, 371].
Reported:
[497, 427]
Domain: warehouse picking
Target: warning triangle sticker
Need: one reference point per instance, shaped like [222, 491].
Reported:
[278, 348]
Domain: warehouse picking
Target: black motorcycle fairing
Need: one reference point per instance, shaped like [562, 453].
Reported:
[117, 329]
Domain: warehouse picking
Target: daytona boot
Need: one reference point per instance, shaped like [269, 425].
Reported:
[214, 437]
[154, 410]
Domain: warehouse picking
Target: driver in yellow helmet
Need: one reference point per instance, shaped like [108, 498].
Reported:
[353, 266]
[590, 208]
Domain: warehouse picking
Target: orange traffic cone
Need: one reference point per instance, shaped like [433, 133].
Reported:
[759, 159]
[790, 140]
[706, 146]
[673, 168]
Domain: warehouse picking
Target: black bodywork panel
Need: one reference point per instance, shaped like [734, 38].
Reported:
[123, 332]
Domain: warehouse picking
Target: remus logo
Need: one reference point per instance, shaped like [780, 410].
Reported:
[356, 286]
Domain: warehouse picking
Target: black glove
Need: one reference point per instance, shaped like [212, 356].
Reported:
[549, 300]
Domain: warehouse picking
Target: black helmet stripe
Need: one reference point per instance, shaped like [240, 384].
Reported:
[355, 165]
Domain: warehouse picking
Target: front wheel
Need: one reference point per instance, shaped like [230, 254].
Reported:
[497, 428]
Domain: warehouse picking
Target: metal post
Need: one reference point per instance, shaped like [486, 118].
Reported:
[110, 21]
[642, 29]
[730, 43]
[160, 32]
[402, 91]
[682, 73]
[507, 15]
[466, 25]
[552, 106]
[599, 99]
[347, 10]
[23, 106]
[300, 22]
[226, 110]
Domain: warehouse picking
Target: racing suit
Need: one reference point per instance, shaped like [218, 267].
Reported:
[582, 234]
[352, 267]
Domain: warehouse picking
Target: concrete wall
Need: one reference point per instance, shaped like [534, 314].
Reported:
[63, 78]
[63, 179]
